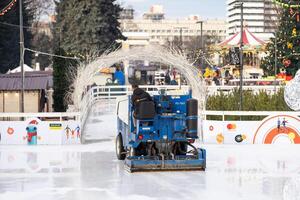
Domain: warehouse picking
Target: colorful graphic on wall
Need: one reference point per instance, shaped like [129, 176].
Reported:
[10, 131]
[55, 126]
[220, 138]
[278, 129]
[231, 127]
[240, 138]
[70, 133]
[32, 129]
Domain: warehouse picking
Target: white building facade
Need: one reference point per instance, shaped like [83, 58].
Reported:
[160, 30]
[260, 16]
[163, 30]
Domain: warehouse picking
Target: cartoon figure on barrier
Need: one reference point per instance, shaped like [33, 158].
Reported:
[68, 130]
[77, 131]
[70, 133]
[32, 132]
[281, 125]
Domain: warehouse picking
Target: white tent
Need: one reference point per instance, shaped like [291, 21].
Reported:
[18, 69]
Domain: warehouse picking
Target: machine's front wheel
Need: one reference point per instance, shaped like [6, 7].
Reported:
[120, 148]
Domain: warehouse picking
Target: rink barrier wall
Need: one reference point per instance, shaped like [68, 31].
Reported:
[40, 128]
[274, 128]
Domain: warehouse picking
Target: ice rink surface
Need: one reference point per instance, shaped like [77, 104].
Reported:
[92, 171]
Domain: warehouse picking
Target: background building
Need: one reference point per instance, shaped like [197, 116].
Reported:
[160, 30]
[156, 13]
[37, 96]
[127, 13]
[260, 16]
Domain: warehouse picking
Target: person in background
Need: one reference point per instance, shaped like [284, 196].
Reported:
[216, 78]
[174, 82]
[228, 77]
[119, 76]
[167, 78]
[151, 82]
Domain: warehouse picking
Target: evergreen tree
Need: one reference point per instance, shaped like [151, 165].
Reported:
[287, 39]
[10, 35]
[82, 28]
[89, 26]
[61, 80]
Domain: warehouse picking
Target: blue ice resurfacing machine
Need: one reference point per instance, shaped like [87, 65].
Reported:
[163, 137]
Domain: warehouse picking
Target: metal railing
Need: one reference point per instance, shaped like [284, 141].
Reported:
[213, 90]
[112, 92]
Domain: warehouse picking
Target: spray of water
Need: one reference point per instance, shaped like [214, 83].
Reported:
[150, 53]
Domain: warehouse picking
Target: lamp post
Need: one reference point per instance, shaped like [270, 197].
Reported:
[202, 45]
[181, 40]
[22, 56]
[241, 57]
[180, 36]
[241, 54]
[275, 57]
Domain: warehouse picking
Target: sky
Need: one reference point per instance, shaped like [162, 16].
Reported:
[176, 9]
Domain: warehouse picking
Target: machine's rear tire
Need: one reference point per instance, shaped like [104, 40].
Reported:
[132, 151]
[120, 148]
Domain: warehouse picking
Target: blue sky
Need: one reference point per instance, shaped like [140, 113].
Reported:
[182, 8]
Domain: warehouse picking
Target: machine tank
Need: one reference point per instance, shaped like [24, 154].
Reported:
[192, 118]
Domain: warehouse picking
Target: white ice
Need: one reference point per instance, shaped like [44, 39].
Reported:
[92, 171]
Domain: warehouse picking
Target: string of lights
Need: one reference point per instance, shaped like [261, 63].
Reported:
[8, 7]
[287, 4]
[49, 54]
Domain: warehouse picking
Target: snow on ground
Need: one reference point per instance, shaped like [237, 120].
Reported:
[92, 171]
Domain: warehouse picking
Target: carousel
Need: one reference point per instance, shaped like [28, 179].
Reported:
[253, 53]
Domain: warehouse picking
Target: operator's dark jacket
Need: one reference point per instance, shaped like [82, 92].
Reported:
[138, 96]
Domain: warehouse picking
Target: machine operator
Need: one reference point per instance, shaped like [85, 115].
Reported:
[139, 95]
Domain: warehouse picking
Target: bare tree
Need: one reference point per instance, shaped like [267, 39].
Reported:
[193, 49]
[41, 8]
